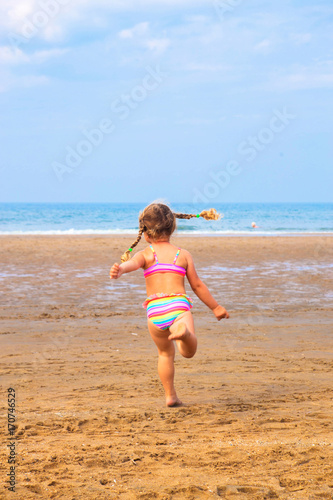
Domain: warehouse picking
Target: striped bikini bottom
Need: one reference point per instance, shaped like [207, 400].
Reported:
[163, 309]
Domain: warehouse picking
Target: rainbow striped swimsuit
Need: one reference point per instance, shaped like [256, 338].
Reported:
[163, 309]
[164, 268]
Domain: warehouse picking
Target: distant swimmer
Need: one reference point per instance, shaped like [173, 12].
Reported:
[254, 225]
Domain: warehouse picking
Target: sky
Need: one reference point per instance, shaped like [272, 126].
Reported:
[185, 100]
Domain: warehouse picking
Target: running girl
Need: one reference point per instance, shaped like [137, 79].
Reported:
[168, 307]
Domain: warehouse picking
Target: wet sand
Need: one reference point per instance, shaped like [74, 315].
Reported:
[91, 417]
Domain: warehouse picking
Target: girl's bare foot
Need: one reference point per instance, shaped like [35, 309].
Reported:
[181, 333]
[173, 401]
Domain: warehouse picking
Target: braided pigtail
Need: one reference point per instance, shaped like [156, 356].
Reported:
[210, 214]
[127, 255]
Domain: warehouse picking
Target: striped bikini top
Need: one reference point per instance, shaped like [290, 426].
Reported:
[164, 268]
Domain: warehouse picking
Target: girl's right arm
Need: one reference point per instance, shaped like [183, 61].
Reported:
[127, 267]
[201, 290]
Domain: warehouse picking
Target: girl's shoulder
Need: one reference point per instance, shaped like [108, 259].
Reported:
[143, 256]
[147, 253]
[147, 250]
[185, 252]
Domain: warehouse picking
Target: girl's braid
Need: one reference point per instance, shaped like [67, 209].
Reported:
[210, 214]
[126, 256]
[184, 216]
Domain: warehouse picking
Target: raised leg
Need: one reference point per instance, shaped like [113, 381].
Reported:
[182, 331]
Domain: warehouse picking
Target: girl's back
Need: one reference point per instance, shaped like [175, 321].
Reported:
[165, 268]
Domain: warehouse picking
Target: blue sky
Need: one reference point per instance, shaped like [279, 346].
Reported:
[224, 100]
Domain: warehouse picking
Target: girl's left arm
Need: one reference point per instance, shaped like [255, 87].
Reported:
[201, 290]
[127, 267]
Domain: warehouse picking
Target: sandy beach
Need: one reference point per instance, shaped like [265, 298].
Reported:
[90, 411]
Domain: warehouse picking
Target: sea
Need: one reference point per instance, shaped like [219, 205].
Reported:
[271, 219]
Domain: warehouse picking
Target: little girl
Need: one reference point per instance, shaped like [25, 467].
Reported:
[168, 307]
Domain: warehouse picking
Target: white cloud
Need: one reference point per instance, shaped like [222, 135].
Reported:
[303, 78]
[158, 45]
[19, 11]
[11, 82]
[150, 120]
[301, 38]
[307, 80]
[138, 30]
[140, 34]
[197, 19]
[197, 121]
[14, 15]
[206, 67]
[263, 47]
[136, 5]
[44, 55]
[32, 80]
[196, 43]
[11, 56]
[29, 19]
[53, 33]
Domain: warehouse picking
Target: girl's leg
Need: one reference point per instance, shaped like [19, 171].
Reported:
[166, 356]
[182, 331]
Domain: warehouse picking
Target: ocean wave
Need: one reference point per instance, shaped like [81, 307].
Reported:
[61, 232]
[96, 232]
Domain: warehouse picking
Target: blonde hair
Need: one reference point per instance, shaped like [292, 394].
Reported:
[158, 221]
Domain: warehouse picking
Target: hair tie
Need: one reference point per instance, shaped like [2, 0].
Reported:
[130, 249]
[198, 215]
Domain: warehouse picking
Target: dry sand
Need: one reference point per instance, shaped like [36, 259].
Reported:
[91, 420]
